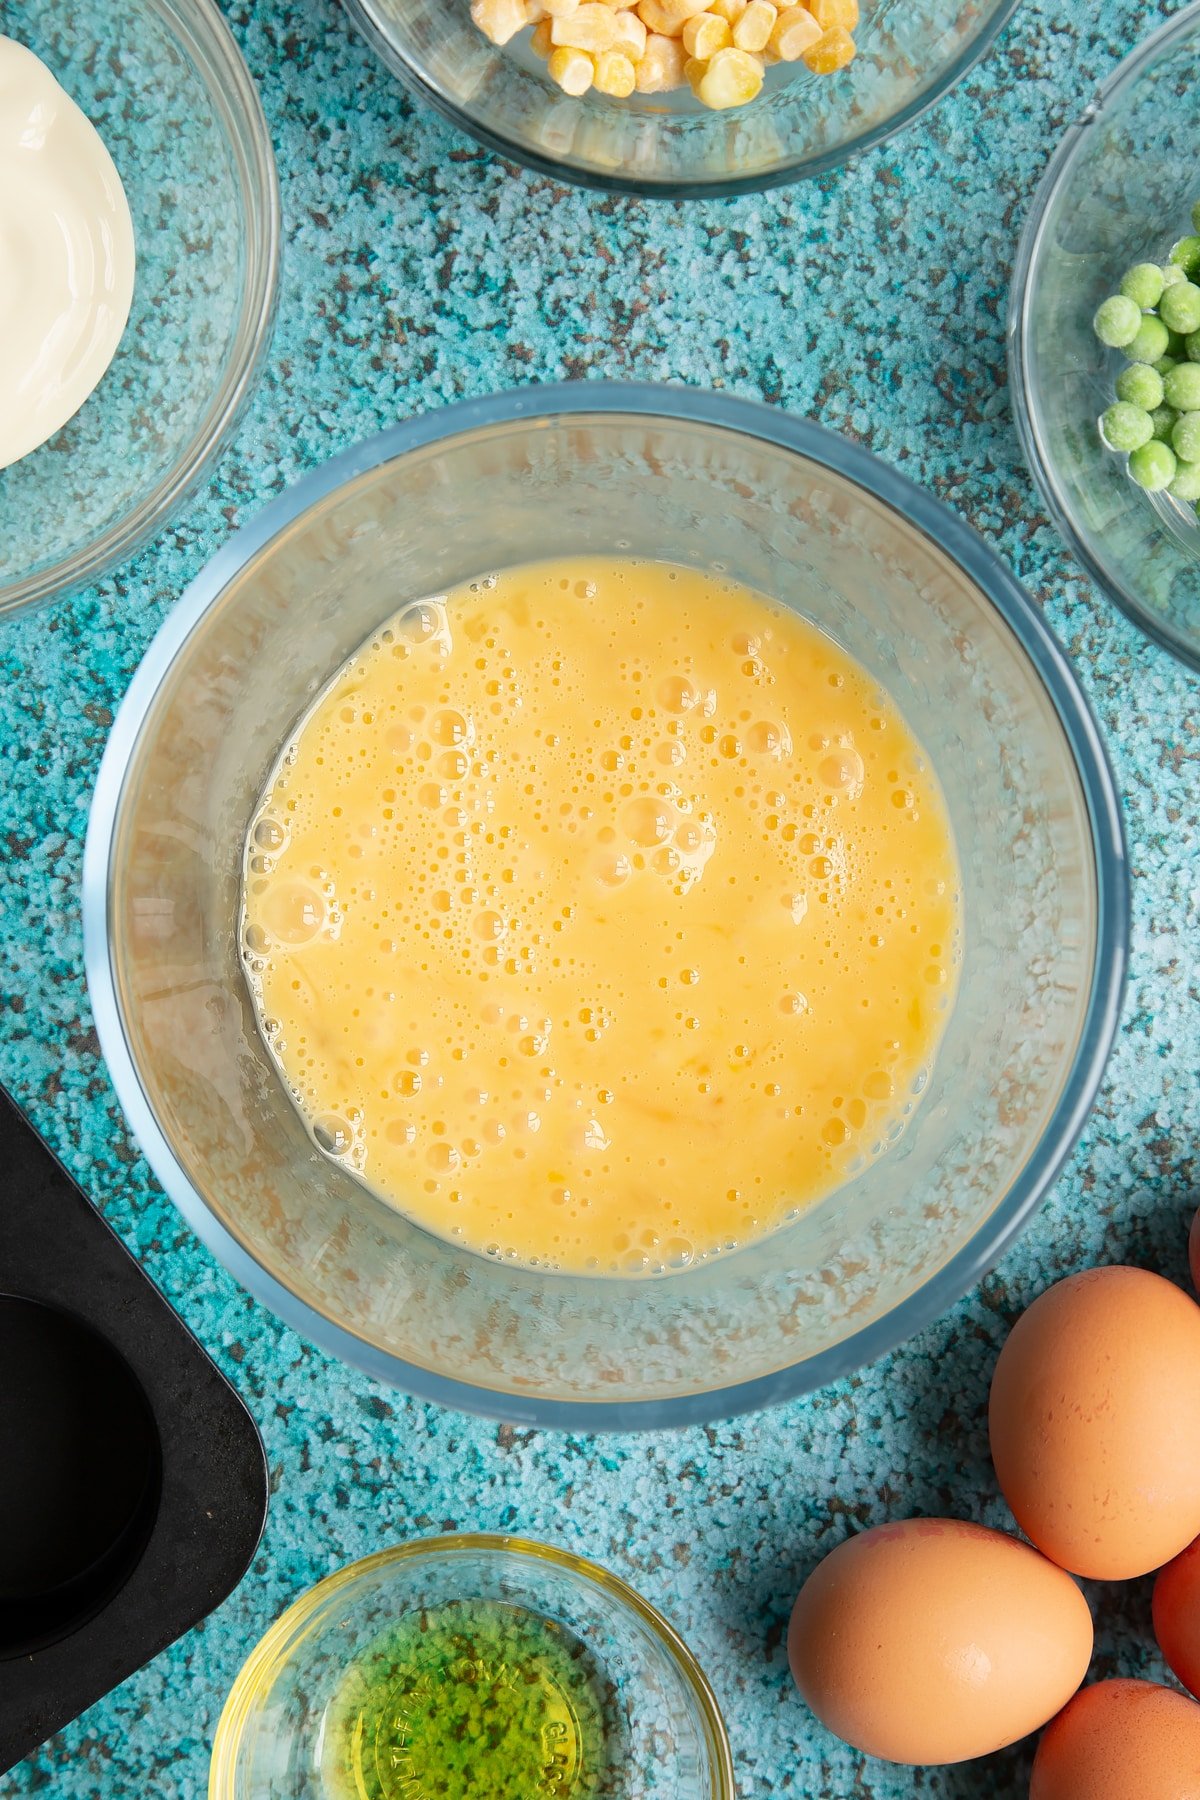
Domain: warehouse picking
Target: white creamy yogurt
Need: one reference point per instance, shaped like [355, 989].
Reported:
[66, 255]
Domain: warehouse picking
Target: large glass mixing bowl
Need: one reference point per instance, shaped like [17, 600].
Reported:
[1119, 190]
[683, 476]
[910, 53]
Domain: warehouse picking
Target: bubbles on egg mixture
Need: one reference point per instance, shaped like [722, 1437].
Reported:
[596, 930]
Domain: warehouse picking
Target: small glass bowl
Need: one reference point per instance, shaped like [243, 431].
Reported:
[166, 87]
[669, 145]
[279, 1732]
[1118, 190]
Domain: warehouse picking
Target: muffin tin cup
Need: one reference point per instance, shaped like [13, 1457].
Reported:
[134, 1487]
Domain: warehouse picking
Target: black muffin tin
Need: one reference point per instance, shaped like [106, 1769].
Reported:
[133, 1487]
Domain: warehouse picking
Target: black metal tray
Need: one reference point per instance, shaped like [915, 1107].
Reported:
[133, 1487]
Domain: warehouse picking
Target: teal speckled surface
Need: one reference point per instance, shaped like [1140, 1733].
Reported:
[417, 269]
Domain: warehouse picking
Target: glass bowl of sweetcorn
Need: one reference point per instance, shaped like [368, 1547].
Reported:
[165, 86]
[618, 97]
[1117, 194]
[472, 1664]
[686, 480]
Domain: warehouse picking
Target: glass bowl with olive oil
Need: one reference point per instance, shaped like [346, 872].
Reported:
[471, 1668]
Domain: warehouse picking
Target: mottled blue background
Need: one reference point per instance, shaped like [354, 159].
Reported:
[417, 269]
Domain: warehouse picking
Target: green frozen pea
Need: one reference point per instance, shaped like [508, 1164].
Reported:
[1176, 344]
[1181, 389]
[1117, 322]
[1152, 466]
[1191, 346]
[1172, 274]
[1143, 284]
[1196, 215]
[1142, 386]
[1179, 308]
[1186, 254]
[1185, 437]
[1148, 342]
[1185, 483]
[1162, 422]
[1125, 427]
[1164, 365]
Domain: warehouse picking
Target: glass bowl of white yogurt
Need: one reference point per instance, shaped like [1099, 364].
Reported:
[157, 91]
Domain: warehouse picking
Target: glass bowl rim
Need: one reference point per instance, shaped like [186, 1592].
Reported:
[234, 94]
[1055, 176]
[1047, 662]
[800, 169]
[265, 1655]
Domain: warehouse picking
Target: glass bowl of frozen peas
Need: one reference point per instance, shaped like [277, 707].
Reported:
[164, 85]
[1112, 220]
[679, 98]
[729, 491]
[387, 1676]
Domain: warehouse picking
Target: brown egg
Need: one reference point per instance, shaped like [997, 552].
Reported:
[1121, 1740]
[933, 1640]
[1095, 1422]
[1194, 1252]
[1176, 1610]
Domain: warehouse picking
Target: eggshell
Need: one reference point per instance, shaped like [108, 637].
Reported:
[933, 1640]
[1121, 1740]
[1194, 1252]
[1177, 1616]
[1095, 1422]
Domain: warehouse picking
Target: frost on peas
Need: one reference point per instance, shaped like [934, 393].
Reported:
[1162, 421]
[1179, 308]
[1117, 321]
[1143, 284]
[1155, 419]
[1125, 427]
[1149, 342]
[1181, 387]
[1152, 466]
[1141, 385]
[1185, 484]
[1186, 254]
[1185, 437]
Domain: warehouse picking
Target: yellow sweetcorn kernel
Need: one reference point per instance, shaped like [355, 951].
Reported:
[614, 74]
[830, 13]
[753, 30]
[661, 66]
[732, 78]
[832, 51]
[795, 32]
[719, 47]
[668, 17]
[499, 20]
[705, 34]
[631, 34]
[573, 70]
[590, 27]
